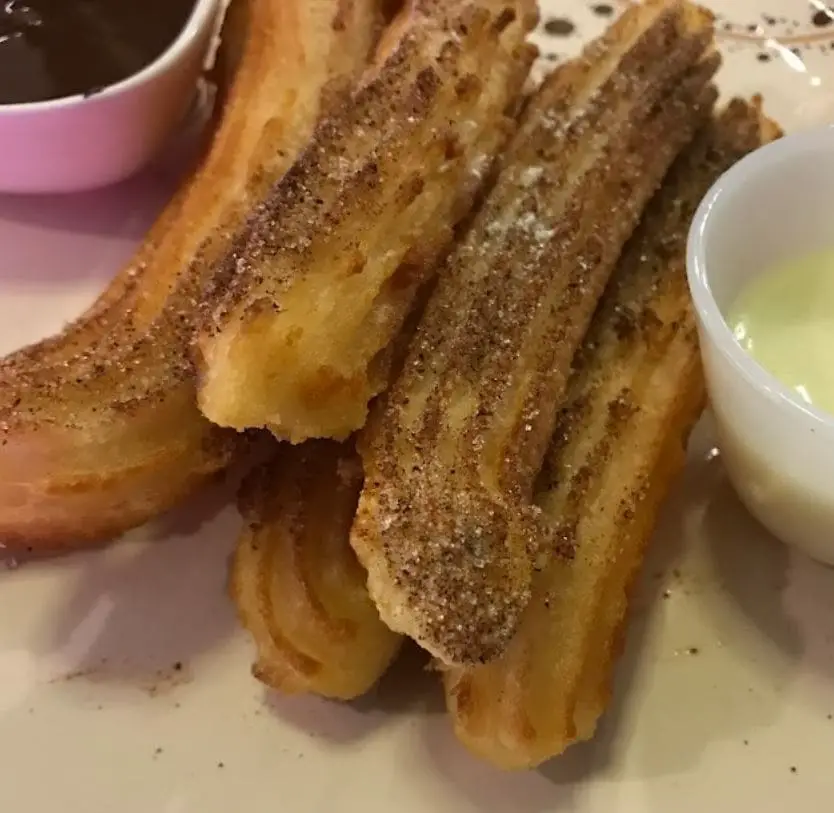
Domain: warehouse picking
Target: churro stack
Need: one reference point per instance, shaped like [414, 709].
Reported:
[497, 504]
[466, 306]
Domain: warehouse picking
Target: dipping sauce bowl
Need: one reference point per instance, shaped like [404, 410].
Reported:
[773, 206]
[82, 142]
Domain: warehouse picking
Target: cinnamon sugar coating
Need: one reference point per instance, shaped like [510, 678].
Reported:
[446, 526]
[635, 393]
[321, 280]
[99, 427]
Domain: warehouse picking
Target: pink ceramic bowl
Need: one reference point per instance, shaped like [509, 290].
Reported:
[84, 142]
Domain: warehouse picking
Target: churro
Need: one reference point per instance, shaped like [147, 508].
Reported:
[446, 526]
[327, 270]
[295, 580]
[99, 427]
[637, 389]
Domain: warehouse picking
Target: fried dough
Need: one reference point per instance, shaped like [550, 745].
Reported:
[446, 526]
[297, 585]
[99, 427]
[322, 280]
[296, 582]
[637, 389]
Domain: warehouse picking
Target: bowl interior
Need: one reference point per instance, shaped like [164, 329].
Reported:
[204, 13]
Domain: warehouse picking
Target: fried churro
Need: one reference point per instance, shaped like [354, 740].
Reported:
[636, 391]
[323, 278]
[99, 426]
[295, 580]
[446, 525]
[297, 585]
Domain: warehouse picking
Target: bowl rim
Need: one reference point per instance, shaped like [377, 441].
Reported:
[782, 152]
[203, 14]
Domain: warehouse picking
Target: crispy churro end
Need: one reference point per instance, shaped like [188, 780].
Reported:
[456, 578]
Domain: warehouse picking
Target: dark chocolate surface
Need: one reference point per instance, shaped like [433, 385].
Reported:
[55, 48]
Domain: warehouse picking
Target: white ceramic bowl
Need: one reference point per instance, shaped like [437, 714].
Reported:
[83, 142]
[779, 452]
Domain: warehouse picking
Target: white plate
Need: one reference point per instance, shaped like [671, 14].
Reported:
[124, 682]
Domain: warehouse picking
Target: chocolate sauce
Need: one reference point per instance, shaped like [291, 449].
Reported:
[55, 48]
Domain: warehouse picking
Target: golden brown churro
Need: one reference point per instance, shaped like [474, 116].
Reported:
[327, 270]
[636, 391]
[99, 426]
[446, 525]
[297, 585]
[295, 580]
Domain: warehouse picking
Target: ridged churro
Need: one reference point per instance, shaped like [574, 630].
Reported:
[99, 427]
[324, 276]
[637, 390]
[446, 526]
[295, 580]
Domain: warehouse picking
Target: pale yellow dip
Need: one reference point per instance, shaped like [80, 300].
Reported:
[785, 319]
